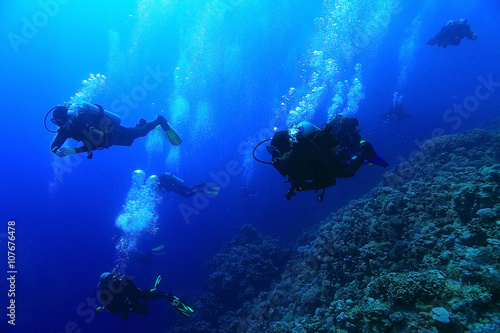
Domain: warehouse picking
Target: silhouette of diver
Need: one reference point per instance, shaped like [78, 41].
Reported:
[396, 112]
[315, 157]
[171, 183]
[97, 128]
[146, 257]
[118, 294]
[452, 34]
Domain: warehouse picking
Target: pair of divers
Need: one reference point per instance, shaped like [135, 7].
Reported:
[97, 128]
[119, 294]
[311, 158]
[452, 34]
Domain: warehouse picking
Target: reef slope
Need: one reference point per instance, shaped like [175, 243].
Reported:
[419, 253]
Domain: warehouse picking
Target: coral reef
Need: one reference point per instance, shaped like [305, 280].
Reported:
[419, 253]
[246, 266]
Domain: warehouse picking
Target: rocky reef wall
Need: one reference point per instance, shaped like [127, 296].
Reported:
[419, 253]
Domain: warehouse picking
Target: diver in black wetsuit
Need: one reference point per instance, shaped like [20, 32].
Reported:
[171, 183]
[316, 157]
[145, 258]
[97, 128]
[346, 131]
[452, 34]
[118, 293]
[396, 112]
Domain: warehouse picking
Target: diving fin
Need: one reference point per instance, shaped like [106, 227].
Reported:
[212, 190]
[158, 251]
[157, 283]
[172, 136]
[182, 307]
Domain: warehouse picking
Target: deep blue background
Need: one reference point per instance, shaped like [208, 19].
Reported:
[240, 61]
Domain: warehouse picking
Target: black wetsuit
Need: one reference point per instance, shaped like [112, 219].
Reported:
[171, 183]
[396, 112]
[122, 295]
[452, 34]
[314, 164]
[345, 130]
[97, 131]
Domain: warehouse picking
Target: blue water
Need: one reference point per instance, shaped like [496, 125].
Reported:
[222, 69]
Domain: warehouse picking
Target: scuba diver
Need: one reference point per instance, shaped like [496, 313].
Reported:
[98, 128]
[313, 158]
[396, 112]
[345, 129]
[171, 183]
[145, 258]
[452, 34]
[118, 293]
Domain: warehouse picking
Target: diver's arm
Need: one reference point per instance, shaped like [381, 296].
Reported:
[469, 33]
[58, 142]
[61, 152]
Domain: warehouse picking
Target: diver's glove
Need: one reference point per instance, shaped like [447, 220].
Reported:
[61, 152]
[371, 155]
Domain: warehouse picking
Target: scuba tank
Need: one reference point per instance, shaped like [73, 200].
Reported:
[306, 128]
[84, 106]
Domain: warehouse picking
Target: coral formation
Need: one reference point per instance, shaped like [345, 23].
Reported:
[245, 266]
[419, 253]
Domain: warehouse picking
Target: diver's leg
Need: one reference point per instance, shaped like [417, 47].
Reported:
[183, 190]
[125, 136]
[141, 308]
[347, 169]
[188, 193]
[152, 296]
[207, 188]
[125, 315]
[199, 188]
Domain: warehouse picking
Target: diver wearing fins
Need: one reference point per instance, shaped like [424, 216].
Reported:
[145, 258]
[118, 294]
[452, 34]
[171, 183]
[314, 157]
[98, 128]
[396, 112]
